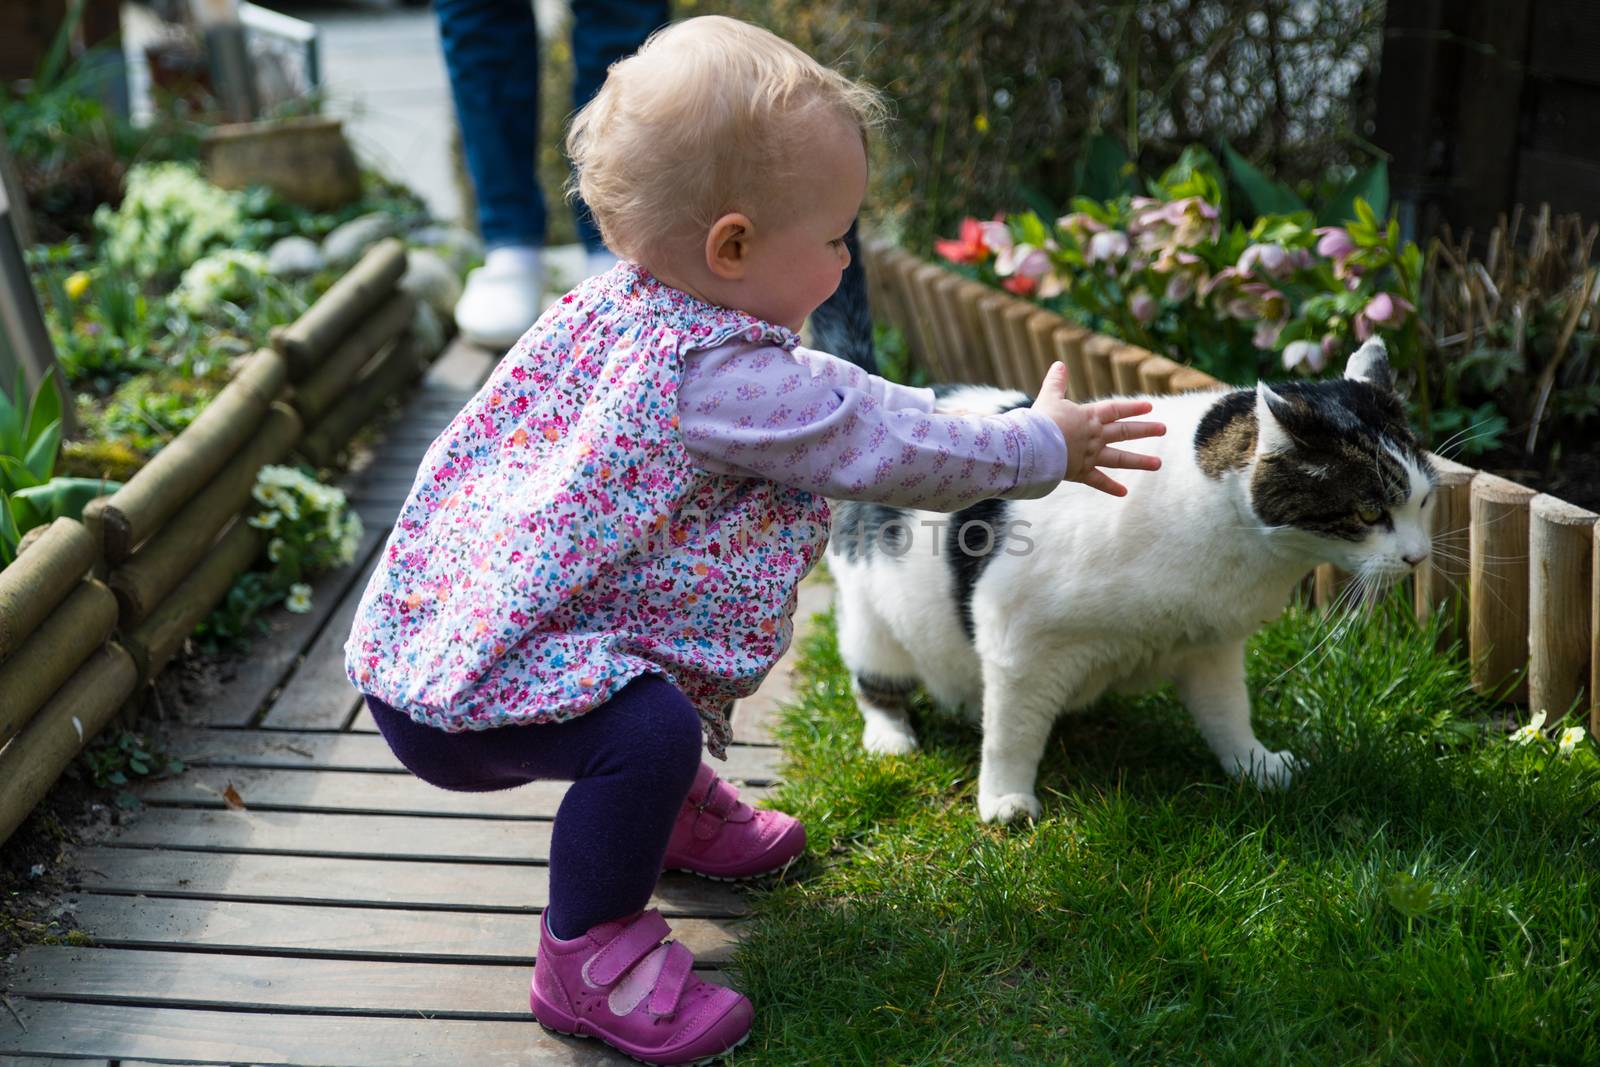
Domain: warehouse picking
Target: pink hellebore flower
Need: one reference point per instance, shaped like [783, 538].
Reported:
[1273, 260]
[1179, 286]
[968, 247]
[1307, 354]
[1387, 310]
[1111, 244]
[1335, 242]
[1079, 223]
[1270, 304]
[996, 234]
[1382, 310]
[1027, 270]
[1142, 305]
[1266, 335]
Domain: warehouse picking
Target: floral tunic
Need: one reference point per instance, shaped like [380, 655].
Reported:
[562, 538]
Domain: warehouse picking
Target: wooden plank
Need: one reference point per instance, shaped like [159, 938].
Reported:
[277, 1039]
[271, 789]
[755, 715]
[326, 931]
[272, 656]
[462, 367]
[370, 752]
[275, 983]
[319, 696]
[364, 882]
[325, 834]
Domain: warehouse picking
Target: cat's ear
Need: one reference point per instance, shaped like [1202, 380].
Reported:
[1370, 364]
[1270, 434]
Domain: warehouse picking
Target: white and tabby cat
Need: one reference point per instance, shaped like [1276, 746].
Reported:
[1045, 604]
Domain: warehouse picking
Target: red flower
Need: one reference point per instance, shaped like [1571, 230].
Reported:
[968, 248]
[1020, 284]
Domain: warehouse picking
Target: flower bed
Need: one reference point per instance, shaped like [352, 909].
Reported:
[1500, 356]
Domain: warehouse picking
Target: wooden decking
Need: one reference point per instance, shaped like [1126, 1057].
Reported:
[350, 915]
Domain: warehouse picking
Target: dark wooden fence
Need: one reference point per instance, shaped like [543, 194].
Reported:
[1486, 104]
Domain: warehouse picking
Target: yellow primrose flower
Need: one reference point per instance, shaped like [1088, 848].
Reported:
[299, 600]
[1525, 734]
[264, 521]
[275, 549]
[77, 284]
[1568, 740]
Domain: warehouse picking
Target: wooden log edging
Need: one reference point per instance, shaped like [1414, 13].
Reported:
[1499, 578]
[63, 641]
[1518, 578]
[1443, 581]
[323, 387]
[194, 457]
[350, 299]
[170, 554]
[35, 758]
[395, 368]
[1561, 631]
[40, 579]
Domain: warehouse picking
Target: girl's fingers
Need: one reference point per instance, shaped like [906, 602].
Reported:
[1112, 410]
[1102, 481]
[1055, 380]
[1131, 431]
[1133, 461]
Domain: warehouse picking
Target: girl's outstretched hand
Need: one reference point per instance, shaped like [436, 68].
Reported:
[1091, 428]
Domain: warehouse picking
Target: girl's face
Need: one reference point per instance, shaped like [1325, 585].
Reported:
[794, 264]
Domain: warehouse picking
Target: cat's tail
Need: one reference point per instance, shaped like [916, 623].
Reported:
[843, 326]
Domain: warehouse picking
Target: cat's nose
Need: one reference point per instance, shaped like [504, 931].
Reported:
[1412, 561]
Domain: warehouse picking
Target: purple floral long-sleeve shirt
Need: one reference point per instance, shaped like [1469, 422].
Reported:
[816, 422]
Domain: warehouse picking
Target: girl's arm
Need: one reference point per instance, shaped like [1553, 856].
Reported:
[759, 411]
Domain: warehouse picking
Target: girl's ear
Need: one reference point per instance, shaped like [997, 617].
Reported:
[728, 246]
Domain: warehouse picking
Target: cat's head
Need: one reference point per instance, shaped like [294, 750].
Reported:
[1332, 469]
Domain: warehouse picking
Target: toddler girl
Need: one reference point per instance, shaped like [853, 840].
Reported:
[600, 552]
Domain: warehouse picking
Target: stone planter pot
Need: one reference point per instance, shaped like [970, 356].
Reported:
[305, 160]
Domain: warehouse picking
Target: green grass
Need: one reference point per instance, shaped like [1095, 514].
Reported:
[1427, 892]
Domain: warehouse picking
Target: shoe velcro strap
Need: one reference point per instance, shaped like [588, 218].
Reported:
[672, 980]
[635, 942]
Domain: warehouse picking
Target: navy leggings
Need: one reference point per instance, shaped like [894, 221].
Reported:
[631, 762]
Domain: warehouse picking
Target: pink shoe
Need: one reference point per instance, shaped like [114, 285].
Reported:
[720, 836]
[619, 983]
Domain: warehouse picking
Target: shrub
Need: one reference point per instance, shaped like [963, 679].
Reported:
[1172, 273]
[1024, 102]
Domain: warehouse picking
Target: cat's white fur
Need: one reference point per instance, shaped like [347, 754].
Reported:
[1165, 584]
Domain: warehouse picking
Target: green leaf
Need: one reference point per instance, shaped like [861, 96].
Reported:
[1103, 169]
[15, 475]
[1371, 185]
[9, 534]
[12, 441]
[1367, 217]
[1266, 197]
[44, 409]
[41, 459]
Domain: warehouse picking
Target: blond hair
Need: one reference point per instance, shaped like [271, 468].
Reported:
[696, 124]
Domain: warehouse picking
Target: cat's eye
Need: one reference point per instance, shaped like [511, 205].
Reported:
[1370, 516]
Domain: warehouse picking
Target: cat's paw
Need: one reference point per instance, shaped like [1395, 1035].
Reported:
[1008, 807]
[885, 737]
[1267, 770]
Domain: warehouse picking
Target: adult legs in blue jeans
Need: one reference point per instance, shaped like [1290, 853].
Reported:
[631, 762]
[491, 50]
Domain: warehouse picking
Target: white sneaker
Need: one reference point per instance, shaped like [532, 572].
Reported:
[599, 261]
[502, 298]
